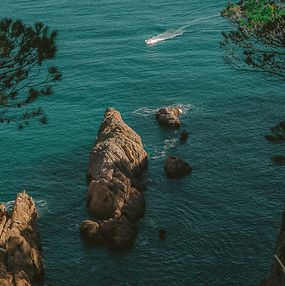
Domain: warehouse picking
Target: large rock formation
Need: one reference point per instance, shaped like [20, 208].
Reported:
[114, 196]
[20, 257]
[169, 116]
[277, 274]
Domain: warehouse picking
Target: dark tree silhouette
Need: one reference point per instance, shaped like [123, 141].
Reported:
[24, 73]
[258, 41]
[258, 44]
[277, 136]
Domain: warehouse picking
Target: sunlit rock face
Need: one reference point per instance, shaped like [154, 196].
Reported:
[114, 198]
[20, 257]
[169, 117]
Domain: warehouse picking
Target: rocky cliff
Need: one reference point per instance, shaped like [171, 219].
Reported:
[20, 257]
[277, 274]
[114, 196]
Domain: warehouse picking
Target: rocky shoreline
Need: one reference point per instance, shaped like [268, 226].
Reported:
[115, 201]
[277, 274]
[20, 252]
[114, 198]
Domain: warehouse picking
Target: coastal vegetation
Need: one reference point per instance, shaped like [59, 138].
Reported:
[24, 74]
[258, 40]
[258, 44]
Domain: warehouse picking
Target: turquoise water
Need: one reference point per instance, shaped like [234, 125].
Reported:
[222, 221]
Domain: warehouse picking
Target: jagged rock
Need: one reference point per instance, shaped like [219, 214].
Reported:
[114, 196]
[90, 230]
[20, 257]
[176, 168]
[169, 116]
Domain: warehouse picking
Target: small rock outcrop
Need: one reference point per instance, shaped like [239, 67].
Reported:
[20, 257]
[114, 197]
[169, 116]
[176, 168]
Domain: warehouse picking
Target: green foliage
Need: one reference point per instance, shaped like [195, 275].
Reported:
[231, 10]
[258, 42]
[24, 73]
[254, 13]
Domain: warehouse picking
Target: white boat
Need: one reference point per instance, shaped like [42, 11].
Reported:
[152, 41]
[169, 34]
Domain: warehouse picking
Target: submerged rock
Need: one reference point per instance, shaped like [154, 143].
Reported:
[176, 168]
[162, 234]
[20, 257]
[169, 116]
[114, 196]
[279, 160]
[184, 137]
[276, 139]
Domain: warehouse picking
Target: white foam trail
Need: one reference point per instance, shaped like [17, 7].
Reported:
[169, 34]
[40, 204]
[42, 207]
[185, 107]
[9, 205]
[172, 33]
[145, 111]
[168, 144]
[199, 20]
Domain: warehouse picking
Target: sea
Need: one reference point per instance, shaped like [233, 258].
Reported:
[222, 221]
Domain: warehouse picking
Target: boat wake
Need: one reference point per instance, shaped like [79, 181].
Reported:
[172, 33]
[169, 34]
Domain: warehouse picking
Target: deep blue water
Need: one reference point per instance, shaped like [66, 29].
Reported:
[222, 221]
